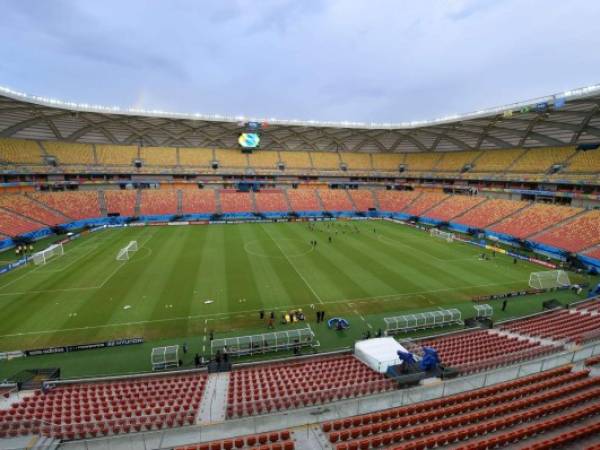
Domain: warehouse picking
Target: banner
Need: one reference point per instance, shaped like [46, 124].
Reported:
[81, 347]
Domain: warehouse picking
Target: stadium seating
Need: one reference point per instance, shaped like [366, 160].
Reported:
[388, 162]
[496, 160]
[73, 204]
[422, 162]
[158, 202]
[363, 199]
[589, 305]
[70, 153]
[77, 411]
[534, 219]
[199, 201]
[295, 160]
[568, 438]
[335, 200]
[303, 200]
[25, 206]
[116, 155]
[195, 157]
[325, 160]
[570, 326]
[263, 159]
[271, 201]
[395, 201]
[595, 253]
[232, 201]
[275, 440]
[18, 151]
[455, 161]
[357, 161]
[584, 162]
[453, 206]
[486, 418]
[575, 235]
[231, 158]
[159, 156]
[12, 224]
[121, 202]
[479, 350]
[279, 387]
[540, 160]
[425, 202]
[489, 212]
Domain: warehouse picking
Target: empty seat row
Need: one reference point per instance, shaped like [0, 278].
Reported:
[280, 387]
[277, 440]
[488, 419]
[77, 411]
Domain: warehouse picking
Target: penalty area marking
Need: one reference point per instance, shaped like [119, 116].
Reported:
[42, 291]
[215, 316]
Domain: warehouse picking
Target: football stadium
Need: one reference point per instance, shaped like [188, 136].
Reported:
[185, 281]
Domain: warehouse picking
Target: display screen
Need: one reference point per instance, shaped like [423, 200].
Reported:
[249, 140]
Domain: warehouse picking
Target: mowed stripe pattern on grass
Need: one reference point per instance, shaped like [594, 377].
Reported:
[161, 291]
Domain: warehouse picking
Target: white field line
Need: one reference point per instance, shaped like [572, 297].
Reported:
[242, 314]
[294, 267]
[42, 291]
[70, 261]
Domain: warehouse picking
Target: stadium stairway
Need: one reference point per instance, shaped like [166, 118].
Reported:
[102, 203]
[253, 201]
[214, 401]
[515, 161]
[319, 199]
[218, 201]
[351, 200]
[179, 202]
[414, 200]
[54, 210]
[557, 225]
[138, 202]
[287, 199]
[22, 216]
[375, 200]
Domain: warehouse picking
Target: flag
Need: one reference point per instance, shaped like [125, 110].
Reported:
[507, 114]
[541, 107]
[559, 102]
[525, 109]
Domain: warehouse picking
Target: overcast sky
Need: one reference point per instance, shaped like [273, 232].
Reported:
[372, 60]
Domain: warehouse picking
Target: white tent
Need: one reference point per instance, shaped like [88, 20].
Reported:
[379, 353]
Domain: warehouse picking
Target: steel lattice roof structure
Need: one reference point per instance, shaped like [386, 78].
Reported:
[542, 122]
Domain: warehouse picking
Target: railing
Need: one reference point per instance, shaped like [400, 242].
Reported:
[167, 439]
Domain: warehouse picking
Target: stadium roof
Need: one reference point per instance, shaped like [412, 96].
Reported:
[568, 118]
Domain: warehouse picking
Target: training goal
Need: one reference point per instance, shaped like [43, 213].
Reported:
[549, 279]
[43, 256]
[123, 254]
[442, 234]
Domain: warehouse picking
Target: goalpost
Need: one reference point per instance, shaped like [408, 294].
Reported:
[43, 256]
[123, 254]
[442, 234]
[549, 279]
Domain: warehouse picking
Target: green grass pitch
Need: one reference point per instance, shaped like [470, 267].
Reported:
[370, 270]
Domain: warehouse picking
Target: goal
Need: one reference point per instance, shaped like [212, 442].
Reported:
[43, 256]
[549, 279]
[123, 254]
[442, 234]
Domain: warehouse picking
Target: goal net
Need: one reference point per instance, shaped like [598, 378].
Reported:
[43, 256]
[442, 234]
[549, 279]
[123, 254]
